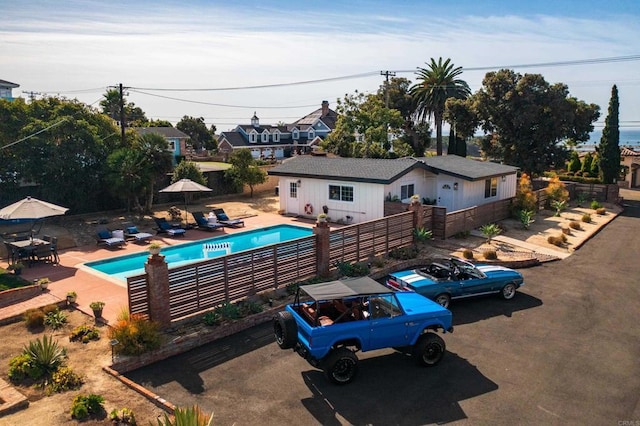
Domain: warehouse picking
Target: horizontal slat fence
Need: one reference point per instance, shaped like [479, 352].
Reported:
[359, 242]
[204, 285]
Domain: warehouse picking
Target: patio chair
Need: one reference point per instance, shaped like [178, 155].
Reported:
[43, 253]
[131, 233]
[224, 219]
[104, 236]
[203, 223]
[164, 227]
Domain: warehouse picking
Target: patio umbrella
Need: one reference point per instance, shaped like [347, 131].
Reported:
[185, 186]
[31, 209]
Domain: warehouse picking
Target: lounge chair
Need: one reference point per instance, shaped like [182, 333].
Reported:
[224, 219]
[131, 233]
[104, 236]
[165, 227]
[204, 223]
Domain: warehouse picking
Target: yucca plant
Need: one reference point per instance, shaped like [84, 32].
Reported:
[490, 230]
[421, 234]
[526, 218]
[189, 416]
[56, 319]
[559, 205]
[46, 354]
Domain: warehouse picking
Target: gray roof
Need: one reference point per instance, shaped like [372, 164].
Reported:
[348, 287]
[166, 132]
[386, 171]
[329, 118]
[5, 83]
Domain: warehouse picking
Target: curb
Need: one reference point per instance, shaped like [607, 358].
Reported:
[156, 399]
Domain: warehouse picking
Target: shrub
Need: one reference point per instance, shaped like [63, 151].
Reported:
[490, 254]
[50, 308]
[359, 269]
[601, 211]
[595, 205]
[581, 198]
[175, 213]
[586, 218]
[490, 230]
[378, 262]
[85, 405]
[124, 416]
[566, 230]
[34, 318]
[467, 253]
[56, 319]
[558, 205]
[525, 198]
[192, 416]
[249, 308]
[292, 288]
[421, 234]
[575, 225]
[462, 234]
[20, 368]
[135, 333]
[526, 218]
[46, 354]
[556, 190]
[84, 334]
[555, 240]
[212, 318]
[403, 253]
[228, 311]
[63, 380]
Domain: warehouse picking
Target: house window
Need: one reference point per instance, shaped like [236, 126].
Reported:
[293, 190]
[490, 187]
[265, 137]
[406, 191]
[341, 193]
[276, 137]
[172, 145]
[295, 134]
[312, 134]
[253, 137]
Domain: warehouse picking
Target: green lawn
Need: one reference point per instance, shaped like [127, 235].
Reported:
[9, 280]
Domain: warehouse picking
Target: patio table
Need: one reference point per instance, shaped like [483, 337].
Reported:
[29, 246]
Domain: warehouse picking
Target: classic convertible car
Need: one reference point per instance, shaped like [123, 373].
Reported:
[455, 278]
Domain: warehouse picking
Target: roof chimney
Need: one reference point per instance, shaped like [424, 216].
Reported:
[325, 108]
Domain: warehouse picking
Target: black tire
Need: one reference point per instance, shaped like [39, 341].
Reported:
[340, 366]
[443, 300]
[428, 350]
[508, 292]
[285, 330]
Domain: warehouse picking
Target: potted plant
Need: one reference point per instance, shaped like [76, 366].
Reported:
[71, 297]
[16, 267]
[154, 248]
[44, 283]
[97, 307]
[322, 217]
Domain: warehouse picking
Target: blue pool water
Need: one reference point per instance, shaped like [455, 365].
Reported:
[133, 264]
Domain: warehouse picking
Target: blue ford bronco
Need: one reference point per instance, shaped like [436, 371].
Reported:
[329, 322]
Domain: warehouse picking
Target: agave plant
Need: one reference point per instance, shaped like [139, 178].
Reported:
[559, 205]
[490, 230]
[422, 234]
[526, 218]
[189, 416]
[46, 354]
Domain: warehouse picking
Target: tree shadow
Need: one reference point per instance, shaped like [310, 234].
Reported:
[392, 384]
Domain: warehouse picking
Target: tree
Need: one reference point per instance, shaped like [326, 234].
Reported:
[188, 170]
[436, 84]
[366, 117]
[574, 162]
[527, 119]
[587, 163]
[133, 115]
[464, 121]
[198, 132]
[609, 147]
[243, 170]
[157, 163]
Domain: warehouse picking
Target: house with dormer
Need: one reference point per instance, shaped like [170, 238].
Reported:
[6, 88]
[279, 141]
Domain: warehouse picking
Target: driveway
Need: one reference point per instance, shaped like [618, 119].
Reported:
[564, 351]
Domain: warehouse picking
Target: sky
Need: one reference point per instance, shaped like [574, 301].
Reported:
[205, 58]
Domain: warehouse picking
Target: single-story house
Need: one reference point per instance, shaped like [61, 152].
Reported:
[355, 189]
[177, 140]
[630, 160]
[279, 141]
[6, 89]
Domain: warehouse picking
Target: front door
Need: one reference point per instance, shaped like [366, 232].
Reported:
[293, 200]
[445, 195]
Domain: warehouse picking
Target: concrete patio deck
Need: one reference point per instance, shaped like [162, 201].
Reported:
[70, 276]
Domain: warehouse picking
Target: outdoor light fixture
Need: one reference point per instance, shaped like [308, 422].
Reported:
[113, 344]
[504, 178]
[455, 186]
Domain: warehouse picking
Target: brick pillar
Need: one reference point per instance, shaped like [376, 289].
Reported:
[322, 231]
[158, 290]
[418, 214]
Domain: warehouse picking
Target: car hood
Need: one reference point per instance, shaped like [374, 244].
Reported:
[416, 304]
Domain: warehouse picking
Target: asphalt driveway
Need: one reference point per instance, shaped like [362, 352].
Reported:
[564, 351]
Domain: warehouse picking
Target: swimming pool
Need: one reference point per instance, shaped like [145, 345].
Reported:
[181, 254]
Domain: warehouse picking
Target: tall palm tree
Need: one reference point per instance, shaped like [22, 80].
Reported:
[437, 83]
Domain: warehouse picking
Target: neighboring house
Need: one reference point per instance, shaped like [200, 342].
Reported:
[6, 88]
[355, 189]
[177, 139]
[630, 161]
[276, 142]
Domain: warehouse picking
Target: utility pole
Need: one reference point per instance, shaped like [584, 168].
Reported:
[32, 95]
[386, 85]
[122, 124]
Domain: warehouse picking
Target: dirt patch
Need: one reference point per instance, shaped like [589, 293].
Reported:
[85, 359]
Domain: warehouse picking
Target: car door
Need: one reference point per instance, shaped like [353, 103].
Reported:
[475, 283]
[387, 322]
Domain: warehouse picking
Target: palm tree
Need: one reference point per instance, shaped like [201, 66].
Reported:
[436, 84]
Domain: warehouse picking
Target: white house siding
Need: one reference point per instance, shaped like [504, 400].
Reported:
[424, 185]
[368, 199]
[471, 194]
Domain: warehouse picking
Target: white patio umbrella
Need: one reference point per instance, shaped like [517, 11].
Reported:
[31, 209]
[185, 186]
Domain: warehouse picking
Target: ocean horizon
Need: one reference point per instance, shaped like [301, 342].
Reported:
[627, 137]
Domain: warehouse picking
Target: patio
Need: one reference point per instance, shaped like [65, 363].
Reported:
[68, 275]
